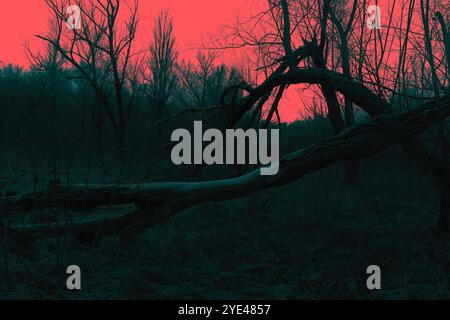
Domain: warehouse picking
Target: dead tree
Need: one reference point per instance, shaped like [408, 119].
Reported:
[160, 200]
[161, 64]
[373, 83]
[101, 54]
[352, 167]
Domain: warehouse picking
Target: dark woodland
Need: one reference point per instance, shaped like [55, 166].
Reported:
[86, 175]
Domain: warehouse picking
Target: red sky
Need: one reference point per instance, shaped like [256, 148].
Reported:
[20, 20]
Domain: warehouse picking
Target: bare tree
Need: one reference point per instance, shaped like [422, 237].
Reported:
[161, 63]
[352, 167]
[202, 84]
[275, 40]
[101, 53]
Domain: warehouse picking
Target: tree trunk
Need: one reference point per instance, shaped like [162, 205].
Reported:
[121, 144]
[99, 121]
[444, 214]
[99, 135]
[351, 168]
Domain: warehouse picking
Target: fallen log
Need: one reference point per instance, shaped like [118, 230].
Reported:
[160, 200]
[351, 89]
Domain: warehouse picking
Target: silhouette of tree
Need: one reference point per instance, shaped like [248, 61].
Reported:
[101, 52]
[161, 63]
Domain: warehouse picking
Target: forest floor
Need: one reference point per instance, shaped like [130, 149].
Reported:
[312, 239]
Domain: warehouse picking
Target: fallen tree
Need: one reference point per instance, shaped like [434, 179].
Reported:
[157, 201]
[366, 100]
[372, 104]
